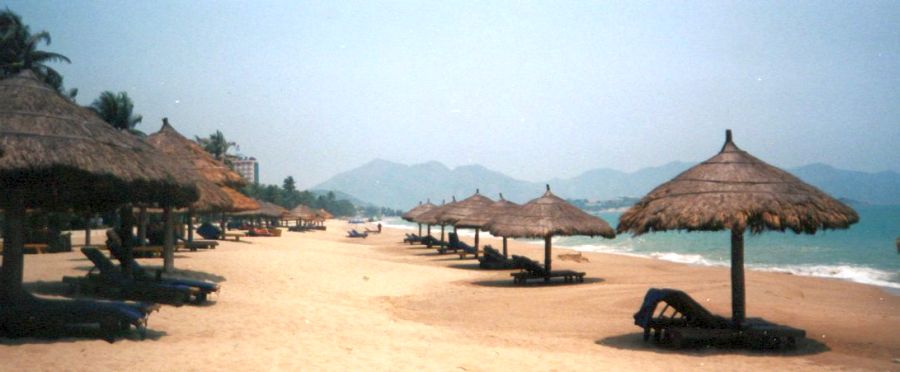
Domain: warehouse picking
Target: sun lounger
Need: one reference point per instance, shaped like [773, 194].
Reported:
[32, 316]
[111, 282]
[412, 238]
[258, 232]
[357, 234]
[682, 322]
[453, 245]
[198, 244]
[533, 270]
[494, 260]
[199, 290]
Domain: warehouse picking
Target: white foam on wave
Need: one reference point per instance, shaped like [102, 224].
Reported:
[858, 274]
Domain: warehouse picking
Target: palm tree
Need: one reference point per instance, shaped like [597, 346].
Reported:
[117, 110]
[216, 145]
[19, 51]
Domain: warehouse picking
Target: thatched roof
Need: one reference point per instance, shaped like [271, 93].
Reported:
[497, 208]
[303, 212]
[173, 143]
[217, 191]
[265, 209]
[324, 214]
[736, 191]
[430, 217]
[548, 216]
[475, 204]
[417, 210]
[74, 157]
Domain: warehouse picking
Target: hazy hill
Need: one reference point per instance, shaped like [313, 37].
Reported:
[395, 185]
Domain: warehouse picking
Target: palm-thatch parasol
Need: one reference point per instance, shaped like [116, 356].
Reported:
[736, 191]
[481, 219]
[266, 209]
[323, 214]
[416, 211]
[218, 193]
[473, 205]
[546, 217]
[303, 213]
[430, 217]
[57, 155]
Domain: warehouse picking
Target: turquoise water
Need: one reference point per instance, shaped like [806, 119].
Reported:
[864, 253]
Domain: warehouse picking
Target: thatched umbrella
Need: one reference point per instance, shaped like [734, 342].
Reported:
[481, 219]
[266, 209]
[546, 217]
[218, 188]
[323, 215]
[476, 204]
[430, 217]
[303, 212]
[56, 155]
[416, 211]
[736, 191]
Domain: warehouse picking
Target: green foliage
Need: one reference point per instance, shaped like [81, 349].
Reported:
[19, 51]
[117, 109]
[216, 145]
[289, 197]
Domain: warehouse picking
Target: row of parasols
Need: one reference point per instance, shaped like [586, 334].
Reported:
[731, 191]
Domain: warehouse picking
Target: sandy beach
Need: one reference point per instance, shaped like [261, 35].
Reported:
[320, 301]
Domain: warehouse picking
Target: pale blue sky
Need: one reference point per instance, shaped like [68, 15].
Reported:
[532, 89]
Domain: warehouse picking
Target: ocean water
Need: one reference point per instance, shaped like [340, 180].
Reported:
[864, 253]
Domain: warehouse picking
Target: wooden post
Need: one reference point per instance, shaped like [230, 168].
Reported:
[222, 225]
[504, 248]
[13, 247]
[168, 239]
[126, 233]
[442, 232]
[737, 278]
[547, 257]
[190, 222]
[420, 230]
[87, 230]
[476, 242]
[142, 225]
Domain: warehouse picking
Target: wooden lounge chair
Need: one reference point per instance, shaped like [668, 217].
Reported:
[533, 270]
[682, 322]
[431, 241]
[412, 238]
[494, 260]
[356, 234]
[200, 289]
[198, 244]
[32, 316]
[453, 245]
[111, 282]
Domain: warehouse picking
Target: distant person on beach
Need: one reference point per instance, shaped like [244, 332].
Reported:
[379, 227]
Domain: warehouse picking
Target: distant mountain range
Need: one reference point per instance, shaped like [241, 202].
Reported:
[394, 185]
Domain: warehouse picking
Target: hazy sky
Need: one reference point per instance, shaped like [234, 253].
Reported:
[532, 89]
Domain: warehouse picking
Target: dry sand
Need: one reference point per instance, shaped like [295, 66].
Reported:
[320, 301]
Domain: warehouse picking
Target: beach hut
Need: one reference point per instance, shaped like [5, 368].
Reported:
[735, 191]
[416, 211]
[480, 219]
[546, 217]
[216, 182]
[55, 155]
[476, 204]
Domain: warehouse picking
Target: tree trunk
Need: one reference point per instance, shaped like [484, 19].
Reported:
[13, 247]
[168, 240]
[126, 233]
[737, 278]
[547, 257]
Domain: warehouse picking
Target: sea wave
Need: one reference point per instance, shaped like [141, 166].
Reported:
[853, 273]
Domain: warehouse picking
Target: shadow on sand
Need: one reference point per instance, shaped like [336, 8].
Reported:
[508, 283]
[635, 341]
[75, 334]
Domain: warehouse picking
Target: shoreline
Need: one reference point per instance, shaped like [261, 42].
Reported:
[891, 288]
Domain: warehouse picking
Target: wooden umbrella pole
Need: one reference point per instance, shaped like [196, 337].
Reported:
[420, 229]
[13, 246]
[190, 222]
[126, 233]
[476, 242]
[168, 240]
[87, 230]
[442, 232]
[504, 248]
[547, 257]
[737, 278]
[142, 225]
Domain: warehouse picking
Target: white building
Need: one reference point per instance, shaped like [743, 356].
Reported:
[248, 168]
